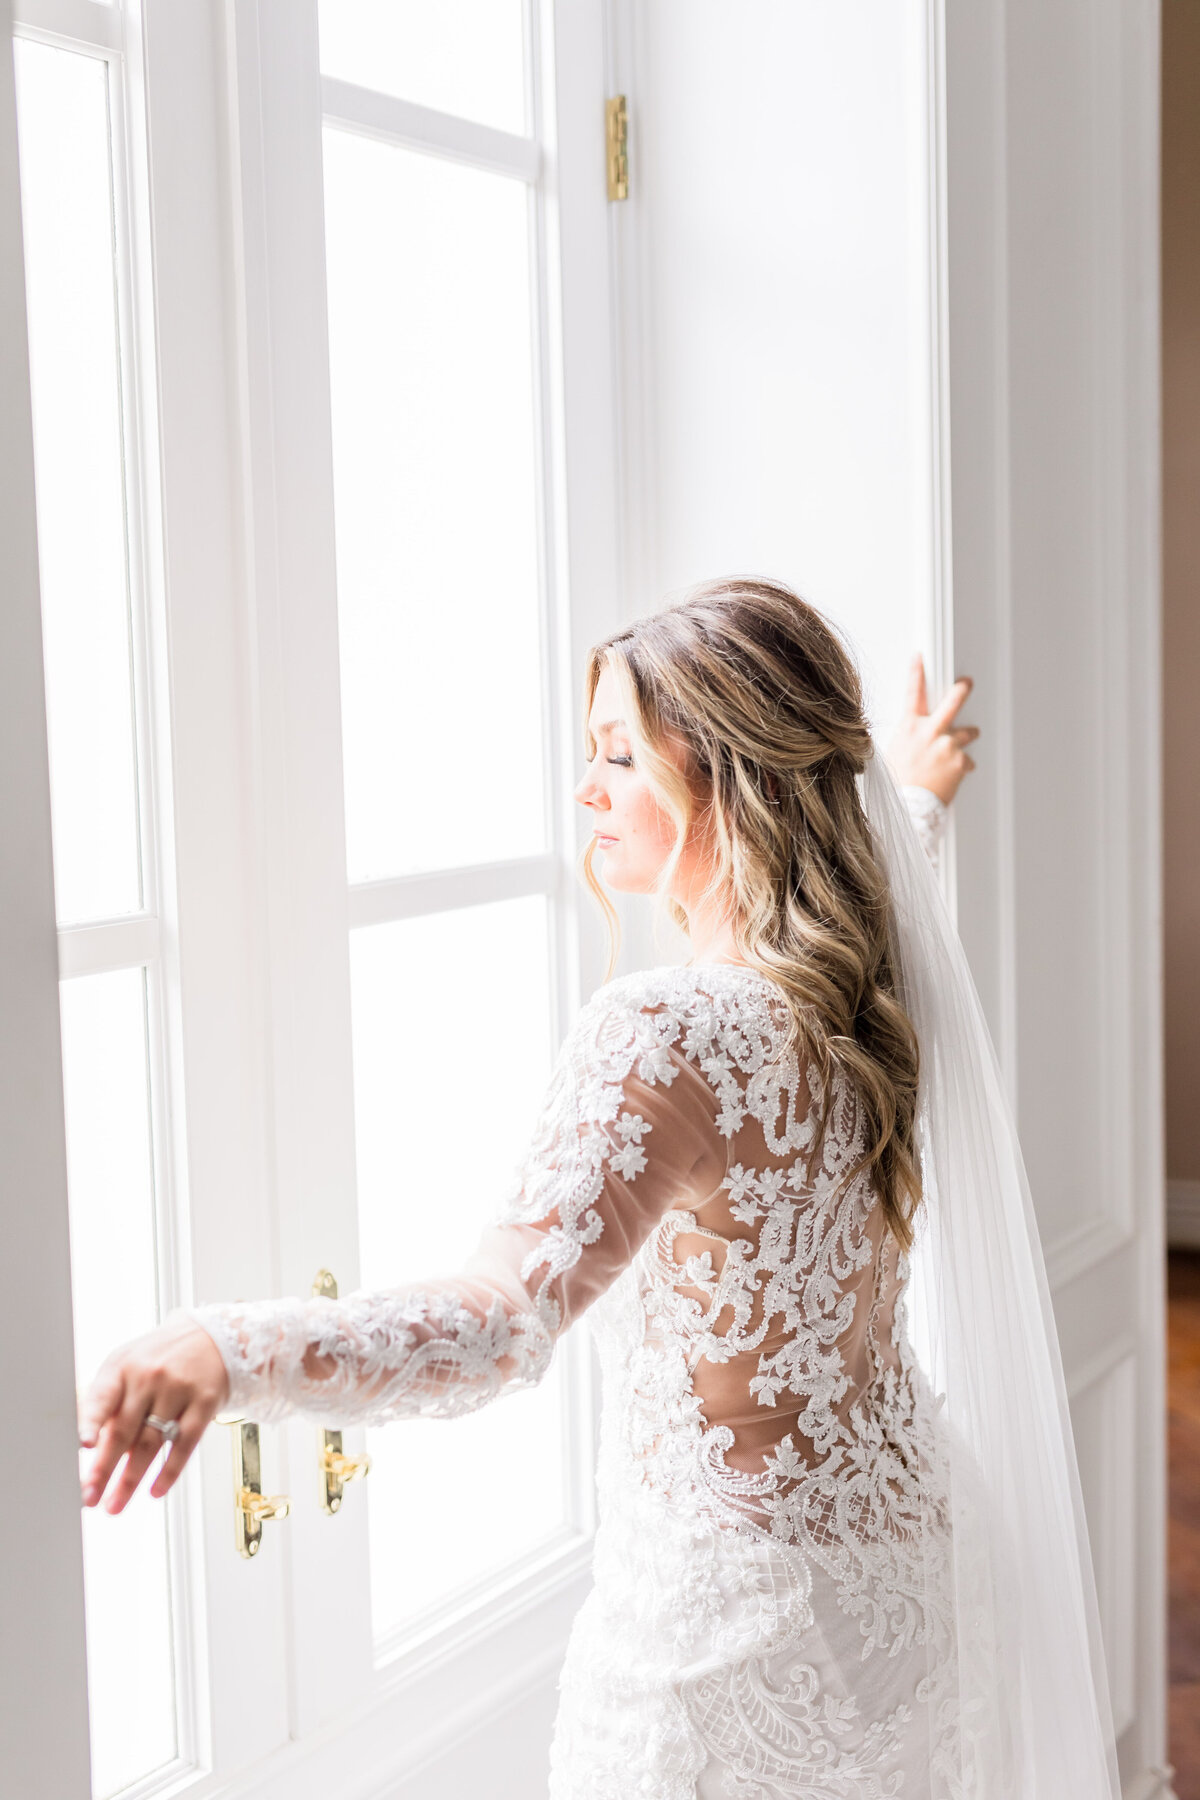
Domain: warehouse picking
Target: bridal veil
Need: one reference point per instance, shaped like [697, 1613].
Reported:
[1032, 1692]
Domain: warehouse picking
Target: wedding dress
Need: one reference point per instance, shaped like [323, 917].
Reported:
[773, 1612]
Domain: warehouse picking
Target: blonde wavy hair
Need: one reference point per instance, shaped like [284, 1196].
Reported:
[746, 716]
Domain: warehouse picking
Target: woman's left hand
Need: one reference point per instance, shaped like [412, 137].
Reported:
[928, 750]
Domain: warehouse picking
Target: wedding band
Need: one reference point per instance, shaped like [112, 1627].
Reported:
[168, 1427]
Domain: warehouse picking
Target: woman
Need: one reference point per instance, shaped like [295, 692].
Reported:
[801, 1570]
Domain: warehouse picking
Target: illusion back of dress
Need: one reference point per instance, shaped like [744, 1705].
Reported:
[770, 1595]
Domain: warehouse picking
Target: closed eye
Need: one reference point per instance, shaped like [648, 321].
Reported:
[624, 762]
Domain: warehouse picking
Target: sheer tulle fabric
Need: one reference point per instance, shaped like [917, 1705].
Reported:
[1032, 1687]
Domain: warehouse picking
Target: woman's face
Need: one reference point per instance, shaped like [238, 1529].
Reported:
[634, 832]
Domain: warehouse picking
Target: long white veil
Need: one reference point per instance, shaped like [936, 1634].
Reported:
[1033, 1698]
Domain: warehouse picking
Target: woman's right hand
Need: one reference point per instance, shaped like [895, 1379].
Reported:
[927, 749]
[174, 1372]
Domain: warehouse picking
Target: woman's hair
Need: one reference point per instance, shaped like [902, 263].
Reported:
[750, 689]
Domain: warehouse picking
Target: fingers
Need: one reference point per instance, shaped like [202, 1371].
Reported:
[118, 1435]
[102, 1399]
[192, 1424]
[916, 698]
[950, 704]
[147, 1446]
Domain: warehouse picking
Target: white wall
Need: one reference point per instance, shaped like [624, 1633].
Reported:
[775, 257]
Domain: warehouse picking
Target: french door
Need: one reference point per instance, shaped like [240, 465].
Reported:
[321, 393]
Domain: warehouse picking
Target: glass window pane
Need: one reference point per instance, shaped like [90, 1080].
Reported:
[431, 372]
[458, 56]
[62, 112]
[438, 1136]
[111, 1194]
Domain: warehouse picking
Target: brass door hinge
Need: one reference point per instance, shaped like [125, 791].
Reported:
[616, 135]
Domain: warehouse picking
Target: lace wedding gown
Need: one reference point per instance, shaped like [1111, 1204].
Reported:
[769, 1615]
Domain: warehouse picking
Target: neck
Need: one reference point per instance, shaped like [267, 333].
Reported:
[711, 935]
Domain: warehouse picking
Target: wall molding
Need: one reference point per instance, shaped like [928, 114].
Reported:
[1085, 1246]
[417, 1712]
[1103, 1398]
[1183, 1215]
[1152, 1784]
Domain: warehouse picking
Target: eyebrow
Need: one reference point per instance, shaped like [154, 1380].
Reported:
[608, 725]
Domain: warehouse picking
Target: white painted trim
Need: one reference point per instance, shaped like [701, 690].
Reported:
[1114, 1253]
[1097, 1368]
[1084, 1247]
[286, 465]
[1139, 59]
[211, 983]
[421, 128]
[83, 24]
[112, 944]
[1110, 1376]
[1183, 1215]
[44, 1744]
[632, 265]
[933, 521]
[1151, 1784]
[400, 1728]
[976, 127]
[447, 890]
[412, 1654]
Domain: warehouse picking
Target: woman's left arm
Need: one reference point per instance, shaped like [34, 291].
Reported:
[626, 1130]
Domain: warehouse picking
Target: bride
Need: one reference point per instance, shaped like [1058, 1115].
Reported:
[841, 1551]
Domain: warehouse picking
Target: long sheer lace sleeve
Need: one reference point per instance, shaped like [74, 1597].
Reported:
[929, 814]
[627, 1130]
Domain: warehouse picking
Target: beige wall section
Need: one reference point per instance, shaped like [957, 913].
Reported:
[1181, 580]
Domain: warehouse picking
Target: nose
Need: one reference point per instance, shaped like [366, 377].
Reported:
[589, 792]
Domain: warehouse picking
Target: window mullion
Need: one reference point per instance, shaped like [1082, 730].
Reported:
[208, 1001]
[298, 773]
[422, 128]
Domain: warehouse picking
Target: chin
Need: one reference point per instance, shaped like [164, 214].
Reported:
[626, 881]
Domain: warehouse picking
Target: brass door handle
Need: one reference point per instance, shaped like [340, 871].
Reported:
[251, 1505]
[263, 1506]
[336, 1467]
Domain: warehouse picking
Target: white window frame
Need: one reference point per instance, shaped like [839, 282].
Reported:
[249, 920]
[42, 1650]
[146, 940]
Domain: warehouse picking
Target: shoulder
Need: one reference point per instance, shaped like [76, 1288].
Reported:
[730, 1023]
[706, 995]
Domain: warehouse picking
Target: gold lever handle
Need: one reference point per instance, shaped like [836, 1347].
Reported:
[263, 1506]
[251, 1505]
[336, 1467]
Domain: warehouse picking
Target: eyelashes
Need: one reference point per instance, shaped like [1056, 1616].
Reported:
[622, 762]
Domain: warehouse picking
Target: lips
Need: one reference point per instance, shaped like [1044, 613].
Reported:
[604, 837]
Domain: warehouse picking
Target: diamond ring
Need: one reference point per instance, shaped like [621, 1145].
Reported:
[168, 1427]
